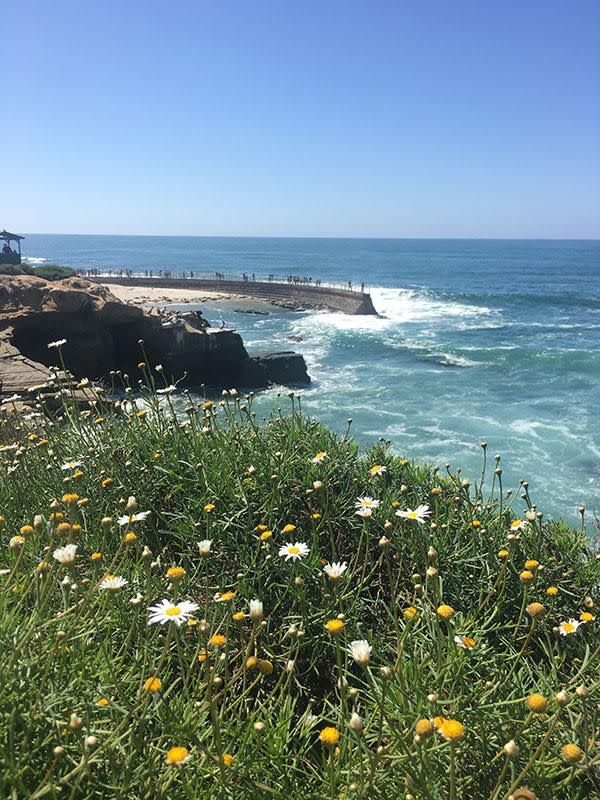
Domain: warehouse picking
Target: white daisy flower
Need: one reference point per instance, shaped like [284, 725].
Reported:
[57, 343]
[566, 628]
[167, 390]
[223, 597]
[127, 519]
[66, 554]
[166, 611]
[335, 569]
[320, 456]
[256, 609]
[518, 524]
[70, 465]
[366, 502]
[204, 547]
[419, 515]
[466, 642]
[364, 512]
[294, 551]
[377, 469]
[12, 399]
[112, 583]
[360, 650]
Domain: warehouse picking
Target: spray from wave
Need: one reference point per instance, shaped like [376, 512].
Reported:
[409, 320]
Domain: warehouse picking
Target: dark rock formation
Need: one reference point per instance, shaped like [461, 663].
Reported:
[103, 334]
[285, 367]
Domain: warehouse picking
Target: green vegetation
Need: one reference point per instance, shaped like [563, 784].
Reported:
[51, 272]
[54, 272]
[473, 684]
[16, 269]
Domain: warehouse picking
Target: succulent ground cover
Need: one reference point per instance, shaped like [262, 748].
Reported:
[195, 605]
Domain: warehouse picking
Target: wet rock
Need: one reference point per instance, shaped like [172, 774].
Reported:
[284, 367]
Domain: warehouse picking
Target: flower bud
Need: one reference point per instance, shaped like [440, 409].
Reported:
[356, 723]
[536, 610]
[511, 749]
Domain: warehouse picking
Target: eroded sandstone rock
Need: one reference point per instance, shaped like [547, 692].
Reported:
[102, 334]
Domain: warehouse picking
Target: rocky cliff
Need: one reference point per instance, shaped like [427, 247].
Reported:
[103, 334]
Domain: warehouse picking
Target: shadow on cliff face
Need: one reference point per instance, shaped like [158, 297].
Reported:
[102, 334]
[92, 350]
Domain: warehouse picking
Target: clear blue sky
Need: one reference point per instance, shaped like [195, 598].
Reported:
[419, 118]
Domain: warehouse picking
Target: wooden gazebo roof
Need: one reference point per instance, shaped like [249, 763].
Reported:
[10, 237]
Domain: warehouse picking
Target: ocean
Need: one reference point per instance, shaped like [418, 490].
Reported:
[479, 340]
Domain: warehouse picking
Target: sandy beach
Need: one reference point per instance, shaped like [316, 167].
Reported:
[145, 295]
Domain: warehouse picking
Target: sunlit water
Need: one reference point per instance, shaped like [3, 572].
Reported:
[478, 340]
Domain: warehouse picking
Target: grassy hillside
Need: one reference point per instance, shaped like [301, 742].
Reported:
[471, 686]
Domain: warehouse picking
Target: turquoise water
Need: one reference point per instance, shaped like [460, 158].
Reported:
[495, 341]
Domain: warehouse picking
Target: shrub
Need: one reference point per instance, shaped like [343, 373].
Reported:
[16, 269]
[54, 272]
[51, 272]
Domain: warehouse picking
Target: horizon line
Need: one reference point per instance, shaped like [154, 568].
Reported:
[334, 236]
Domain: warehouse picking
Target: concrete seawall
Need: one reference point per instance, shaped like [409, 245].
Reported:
[305, 295]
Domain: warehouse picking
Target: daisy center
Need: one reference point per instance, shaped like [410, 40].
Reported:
[174, 611]
[411, 514]
[294, 550]
[568, 627]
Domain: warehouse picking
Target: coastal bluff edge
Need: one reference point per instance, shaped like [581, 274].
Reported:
[305, 296]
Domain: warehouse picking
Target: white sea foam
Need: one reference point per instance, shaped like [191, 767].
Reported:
[397, 307]
[409, 305]
[34, 260]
